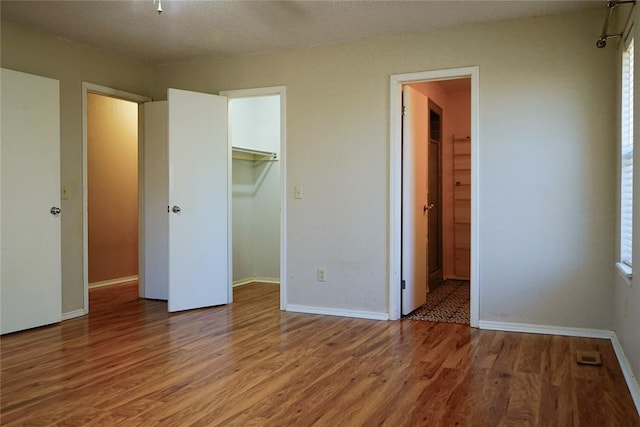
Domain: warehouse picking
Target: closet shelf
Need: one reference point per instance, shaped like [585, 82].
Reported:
[255, 155]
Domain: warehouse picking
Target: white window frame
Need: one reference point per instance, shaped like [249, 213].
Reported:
[624, 263]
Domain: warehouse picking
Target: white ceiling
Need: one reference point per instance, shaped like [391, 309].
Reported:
[187, 30]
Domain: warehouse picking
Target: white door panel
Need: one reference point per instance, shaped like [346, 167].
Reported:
[30, 280]
[156, 200]
[198, 187]
[414, 194]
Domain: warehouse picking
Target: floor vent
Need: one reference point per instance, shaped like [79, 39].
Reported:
[589, 358]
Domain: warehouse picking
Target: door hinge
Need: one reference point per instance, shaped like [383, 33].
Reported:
[404, 110]
[403, 284]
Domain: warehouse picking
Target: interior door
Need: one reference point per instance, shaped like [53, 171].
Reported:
[30, 279]
[414, 200]
[434, 203]
[198, 154]
[155, 195]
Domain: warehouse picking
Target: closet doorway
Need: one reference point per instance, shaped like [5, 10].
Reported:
[256, 136]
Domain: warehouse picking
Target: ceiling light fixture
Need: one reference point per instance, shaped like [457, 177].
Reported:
[159, 9]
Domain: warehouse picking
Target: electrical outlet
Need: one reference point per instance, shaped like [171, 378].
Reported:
[321, 275]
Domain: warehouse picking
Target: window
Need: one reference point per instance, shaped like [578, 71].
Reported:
[626, 163]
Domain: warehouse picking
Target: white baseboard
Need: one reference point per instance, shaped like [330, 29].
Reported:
[111, 282]
[631, 379]
[247, 280]
[545, 329]
[337, 312]
[73, 314]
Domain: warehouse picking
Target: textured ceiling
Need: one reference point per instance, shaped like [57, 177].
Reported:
[187, 30]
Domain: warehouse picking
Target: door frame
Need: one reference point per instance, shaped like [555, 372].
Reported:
[88, 88]
[250, 93]
[395, 181]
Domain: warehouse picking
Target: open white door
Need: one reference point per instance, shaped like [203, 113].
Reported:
[198, 198]
[155, 198]
[414, 200]
[30, 280]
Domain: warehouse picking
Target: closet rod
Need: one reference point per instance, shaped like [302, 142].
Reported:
[256, 154]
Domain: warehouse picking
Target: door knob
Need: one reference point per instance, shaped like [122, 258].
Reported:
[428, 208]
[55, 211]
[176, 209]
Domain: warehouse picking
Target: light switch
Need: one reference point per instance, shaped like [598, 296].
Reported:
[64, 192]
[297, 191]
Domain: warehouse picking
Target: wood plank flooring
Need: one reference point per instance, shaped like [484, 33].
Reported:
[131, 363]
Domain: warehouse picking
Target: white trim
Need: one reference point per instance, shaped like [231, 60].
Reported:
[545, 329]
[395, 186]
[107, 91]
[254, 92]
[254, 279]
[142, 274]
[266, 91]
[337, 312]
[111, 282]
[73, 314]
[626, 272]
[632, 381]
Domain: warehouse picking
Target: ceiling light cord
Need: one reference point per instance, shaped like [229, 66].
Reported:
[159, 3]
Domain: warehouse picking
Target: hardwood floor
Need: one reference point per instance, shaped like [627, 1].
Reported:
[131, 363]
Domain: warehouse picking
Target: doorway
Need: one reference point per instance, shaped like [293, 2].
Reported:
[111, 183]
[112, 190]
[446, 194]
[257, 140]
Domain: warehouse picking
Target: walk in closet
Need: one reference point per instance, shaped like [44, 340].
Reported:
[254, 130]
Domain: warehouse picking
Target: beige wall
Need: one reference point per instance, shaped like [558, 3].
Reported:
[44, 55]
[112, 178]
[546, 162]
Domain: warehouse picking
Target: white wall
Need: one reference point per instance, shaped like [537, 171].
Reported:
[547, 165]
[255, 123]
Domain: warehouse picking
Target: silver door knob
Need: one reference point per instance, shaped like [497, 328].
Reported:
[176, 209]
[55, 211]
